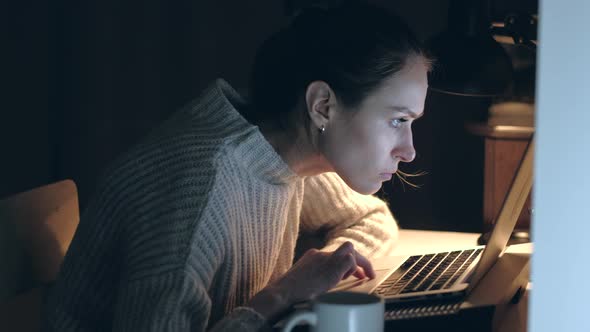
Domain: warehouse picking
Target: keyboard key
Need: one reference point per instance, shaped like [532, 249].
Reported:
[463, 268]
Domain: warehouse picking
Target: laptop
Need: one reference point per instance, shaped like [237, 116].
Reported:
[449, 274]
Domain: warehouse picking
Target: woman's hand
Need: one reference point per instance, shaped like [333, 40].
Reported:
[314, 273]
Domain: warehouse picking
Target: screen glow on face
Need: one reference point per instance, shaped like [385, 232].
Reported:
[365, 145]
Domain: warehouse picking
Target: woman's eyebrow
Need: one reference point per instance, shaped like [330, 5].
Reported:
[407, 111]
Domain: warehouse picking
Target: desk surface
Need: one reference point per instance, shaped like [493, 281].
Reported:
[418, 241]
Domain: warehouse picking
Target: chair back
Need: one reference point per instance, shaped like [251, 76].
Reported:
[36, 229]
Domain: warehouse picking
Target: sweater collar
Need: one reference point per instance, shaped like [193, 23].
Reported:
[253, 151]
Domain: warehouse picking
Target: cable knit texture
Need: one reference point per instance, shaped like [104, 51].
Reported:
[187, 226]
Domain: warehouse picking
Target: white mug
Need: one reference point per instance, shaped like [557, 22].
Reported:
[341, 312]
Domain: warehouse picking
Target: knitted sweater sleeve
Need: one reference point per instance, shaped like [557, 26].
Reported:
[330, 206]
[167, 286]
[175, 302]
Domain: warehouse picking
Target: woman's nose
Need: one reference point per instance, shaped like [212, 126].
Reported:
[405, 151]
[407, 154]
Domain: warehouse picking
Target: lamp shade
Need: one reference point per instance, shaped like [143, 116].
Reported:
[468, 61]
[469, 65]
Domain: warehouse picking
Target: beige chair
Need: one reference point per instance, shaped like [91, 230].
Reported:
[36, 228]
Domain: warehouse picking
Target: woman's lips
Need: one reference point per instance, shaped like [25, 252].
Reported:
[386, 176]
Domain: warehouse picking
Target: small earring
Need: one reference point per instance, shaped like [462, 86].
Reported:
[322, 129]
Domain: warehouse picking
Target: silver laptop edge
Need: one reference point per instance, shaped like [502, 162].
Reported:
[508, 216]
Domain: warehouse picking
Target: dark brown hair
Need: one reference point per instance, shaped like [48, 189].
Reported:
[353, 48]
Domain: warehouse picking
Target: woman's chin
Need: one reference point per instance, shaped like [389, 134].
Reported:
[367, 188]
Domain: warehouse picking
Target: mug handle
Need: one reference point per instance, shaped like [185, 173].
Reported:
[309, 317]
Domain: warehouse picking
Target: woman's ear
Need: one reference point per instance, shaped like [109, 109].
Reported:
[320, 101]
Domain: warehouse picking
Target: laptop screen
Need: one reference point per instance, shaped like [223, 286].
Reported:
[508, 215]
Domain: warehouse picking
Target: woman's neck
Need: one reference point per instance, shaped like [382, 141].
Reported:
[301, 154]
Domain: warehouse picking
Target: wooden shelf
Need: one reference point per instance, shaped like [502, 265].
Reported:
[504, 148]
[500, 131]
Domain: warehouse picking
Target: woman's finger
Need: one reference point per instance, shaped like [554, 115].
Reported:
[359, 273]
[363, 262]
[347, 274]
[344, 249]
[345, 265]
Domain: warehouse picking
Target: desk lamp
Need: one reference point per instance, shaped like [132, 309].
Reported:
[469, 62]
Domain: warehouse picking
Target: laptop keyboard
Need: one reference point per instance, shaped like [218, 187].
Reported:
[428, 272]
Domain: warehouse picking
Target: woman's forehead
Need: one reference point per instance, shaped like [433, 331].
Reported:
[402, 90]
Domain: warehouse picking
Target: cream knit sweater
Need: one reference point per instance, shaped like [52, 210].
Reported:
[194, 221]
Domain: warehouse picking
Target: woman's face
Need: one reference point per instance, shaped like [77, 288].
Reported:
[365, 145]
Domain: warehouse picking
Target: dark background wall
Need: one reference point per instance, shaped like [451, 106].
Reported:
[87, 79]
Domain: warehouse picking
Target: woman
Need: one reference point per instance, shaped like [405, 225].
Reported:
[196, 227]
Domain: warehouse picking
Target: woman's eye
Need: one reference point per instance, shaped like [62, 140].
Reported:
[396, 123]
